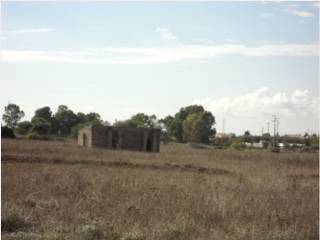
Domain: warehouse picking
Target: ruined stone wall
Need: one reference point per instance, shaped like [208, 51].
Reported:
[132, 139]
[85, 137]
[100, 136]
[138, 139]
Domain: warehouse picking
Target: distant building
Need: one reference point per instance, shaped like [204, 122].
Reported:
[225, 135]
[137, 139]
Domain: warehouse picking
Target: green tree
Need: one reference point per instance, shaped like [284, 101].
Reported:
[44, 113]
[81, 117]
[197, 127]
[12, 115]
[40, 126]
[92, 116]
[139, 120]
[175, 126]
[66, 119]
[24, 127]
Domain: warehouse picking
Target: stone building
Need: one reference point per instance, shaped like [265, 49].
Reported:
[138, 139]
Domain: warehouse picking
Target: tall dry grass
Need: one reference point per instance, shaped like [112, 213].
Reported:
[56, 190]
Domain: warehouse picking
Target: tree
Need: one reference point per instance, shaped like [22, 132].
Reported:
[175, 125]
[247, 137]
[12, 115]
[92, 116]
[197, 127]
[81, 117]
[44, 113]
[24, 127]
[7, 132]
[66, 119]
[40, 126]
[139, 120]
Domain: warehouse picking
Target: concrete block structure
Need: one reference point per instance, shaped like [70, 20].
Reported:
[137, 139]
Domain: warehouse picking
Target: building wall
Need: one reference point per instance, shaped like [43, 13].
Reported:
[85, 137]
[138, 139]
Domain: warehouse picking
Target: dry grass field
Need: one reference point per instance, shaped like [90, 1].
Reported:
[57, 190]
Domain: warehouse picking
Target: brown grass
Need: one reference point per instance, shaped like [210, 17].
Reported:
[57, 190]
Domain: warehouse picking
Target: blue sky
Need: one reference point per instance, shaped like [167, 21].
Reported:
[244, 61]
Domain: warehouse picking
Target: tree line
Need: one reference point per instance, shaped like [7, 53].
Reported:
[190, 124]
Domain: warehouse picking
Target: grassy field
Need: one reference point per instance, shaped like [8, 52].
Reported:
[57, 190]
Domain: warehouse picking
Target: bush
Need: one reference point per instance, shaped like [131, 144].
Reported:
[275, 150]
[7, 132]
[24, 127]
[238, 146]
[36, 136]
[40, 126]
[222, 142]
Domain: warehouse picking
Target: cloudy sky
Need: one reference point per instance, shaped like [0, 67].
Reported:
[242, 61]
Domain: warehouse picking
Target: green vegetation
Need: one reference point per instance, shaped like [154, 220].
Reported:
[191, 124]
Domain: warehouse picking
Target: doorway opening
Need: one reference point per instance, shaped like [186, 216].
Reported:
[85, 140]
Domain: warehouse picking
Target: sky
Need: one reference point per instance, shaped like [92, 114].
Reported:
[243, 61]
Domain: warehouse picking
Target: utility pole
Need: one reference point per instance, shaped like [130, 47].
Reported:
[224, 125]
[262, 131]
[276, 123]
[268, 127]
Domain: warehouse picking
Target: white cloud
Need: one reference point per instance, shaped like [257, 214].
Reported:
[166, 34]
[299, 13]
[263, 103]
[266, 15]
[293, 5]
[180, 52]
[34, 30]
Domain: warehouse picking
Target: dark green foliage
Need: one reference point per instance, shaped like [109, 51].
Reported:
[247, 137]
[40, 126]
[191, 123]
[55, 126]
[7, 132]
[66, 119]
[197, 127]
[24, 127]
[37, 136]
[44, 113]
[238, 145]
[12, 115]
[139, 120]
[92, 116]
[222, 142]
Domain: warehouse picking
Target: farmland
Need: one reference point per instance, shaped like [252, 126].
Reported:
[57, 190]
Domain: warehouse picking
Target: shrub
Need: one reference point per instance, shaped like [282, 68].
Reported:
[36, 136]
[7, 133]
[40, 126]
[275, 150]
[238, 146]
[24, 127]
